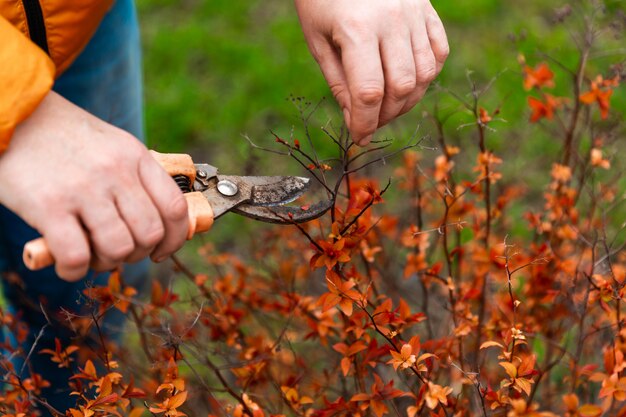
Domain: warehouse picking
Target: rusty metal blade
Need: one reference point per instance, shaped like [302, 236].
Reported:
[270, 191]
[284, 214]
[257, 194]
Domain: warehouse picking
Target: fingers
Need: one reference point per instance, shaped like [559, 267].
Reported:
[150, 217]
[426, 69]
[400, 75]
[364, 74]
[438, 39]
[331, 66]
[110, 237]
[142, 219]
[68, 244]
[387, 81]
[169, 202]
[378, 57]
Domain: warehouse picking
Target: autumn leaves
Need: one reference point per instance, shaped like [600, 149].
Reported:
[541, 78]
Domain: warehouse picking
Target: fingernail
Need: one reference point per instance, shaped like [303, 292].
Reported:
[159, 259]
[346, 116]
[365, 141]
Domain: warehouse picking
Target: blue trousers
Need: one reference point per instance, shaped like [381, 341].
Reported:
[106, 81]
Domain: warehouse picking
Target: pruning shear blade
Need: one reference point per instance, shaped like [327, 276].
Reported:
[284, 214]
[258, 197]
[210, 195]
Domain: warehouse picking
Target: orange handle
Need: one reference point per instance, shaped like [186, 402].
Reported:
[200, 213]
[176, 164]
[36, 254]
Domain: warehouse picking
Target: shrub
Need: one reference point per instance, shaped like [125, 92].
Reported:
[458, 288]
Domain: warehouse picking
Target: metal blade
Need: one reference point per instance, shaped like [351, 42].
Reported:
[270, 191]
[254, 192]
[284, 214]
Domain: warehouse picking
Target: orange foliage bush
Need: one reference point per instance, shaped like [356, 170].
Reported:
[426, 306]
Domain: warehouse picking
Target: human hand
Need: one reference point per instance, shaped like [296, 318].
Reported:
[378, 56]
[92, 190]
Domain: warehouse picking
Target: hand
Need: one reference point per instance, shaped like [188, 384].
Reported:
[378, 56]
[91, 189]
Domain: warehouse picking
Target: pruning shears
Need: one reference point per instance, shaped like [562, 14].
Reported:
[209, 195]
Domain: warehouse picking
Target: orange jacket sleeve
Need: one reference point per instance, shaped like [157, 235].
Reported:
[26, 76]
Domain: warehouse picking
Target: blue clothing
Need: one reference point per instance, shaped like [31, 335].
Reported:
[106, 81]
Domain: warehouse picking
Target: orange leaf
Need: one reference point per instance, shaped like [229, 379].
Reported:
[379, 407]
[105, 387]
[570, 401]
[345, 366]
[510, 369]
[136, 412]
[360, 397]
[345, 305]
[75, 413]
[484, 116]
[90, 369]
[107, 399]
[178, 400]
[590, 410]
[540, 76]
[588, 97]
[411, 411]
[490, 344]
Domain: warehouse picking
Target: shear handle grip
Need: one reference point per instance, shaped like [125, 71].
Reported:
[176, 164]
[200, 213]
[37, 255]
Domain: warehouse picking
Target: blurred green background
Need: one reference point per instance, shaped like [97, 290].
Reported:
[216, 70]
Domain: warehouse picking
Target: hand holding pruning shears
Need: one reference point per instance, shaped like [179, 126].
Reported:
[100, 198]
[209, 195]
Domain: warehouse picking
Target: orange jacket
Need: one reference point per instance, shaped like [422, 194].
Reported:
[39, 39]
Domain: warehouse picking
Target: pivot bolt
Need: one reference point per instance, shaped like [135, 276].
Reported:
[227, 188]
